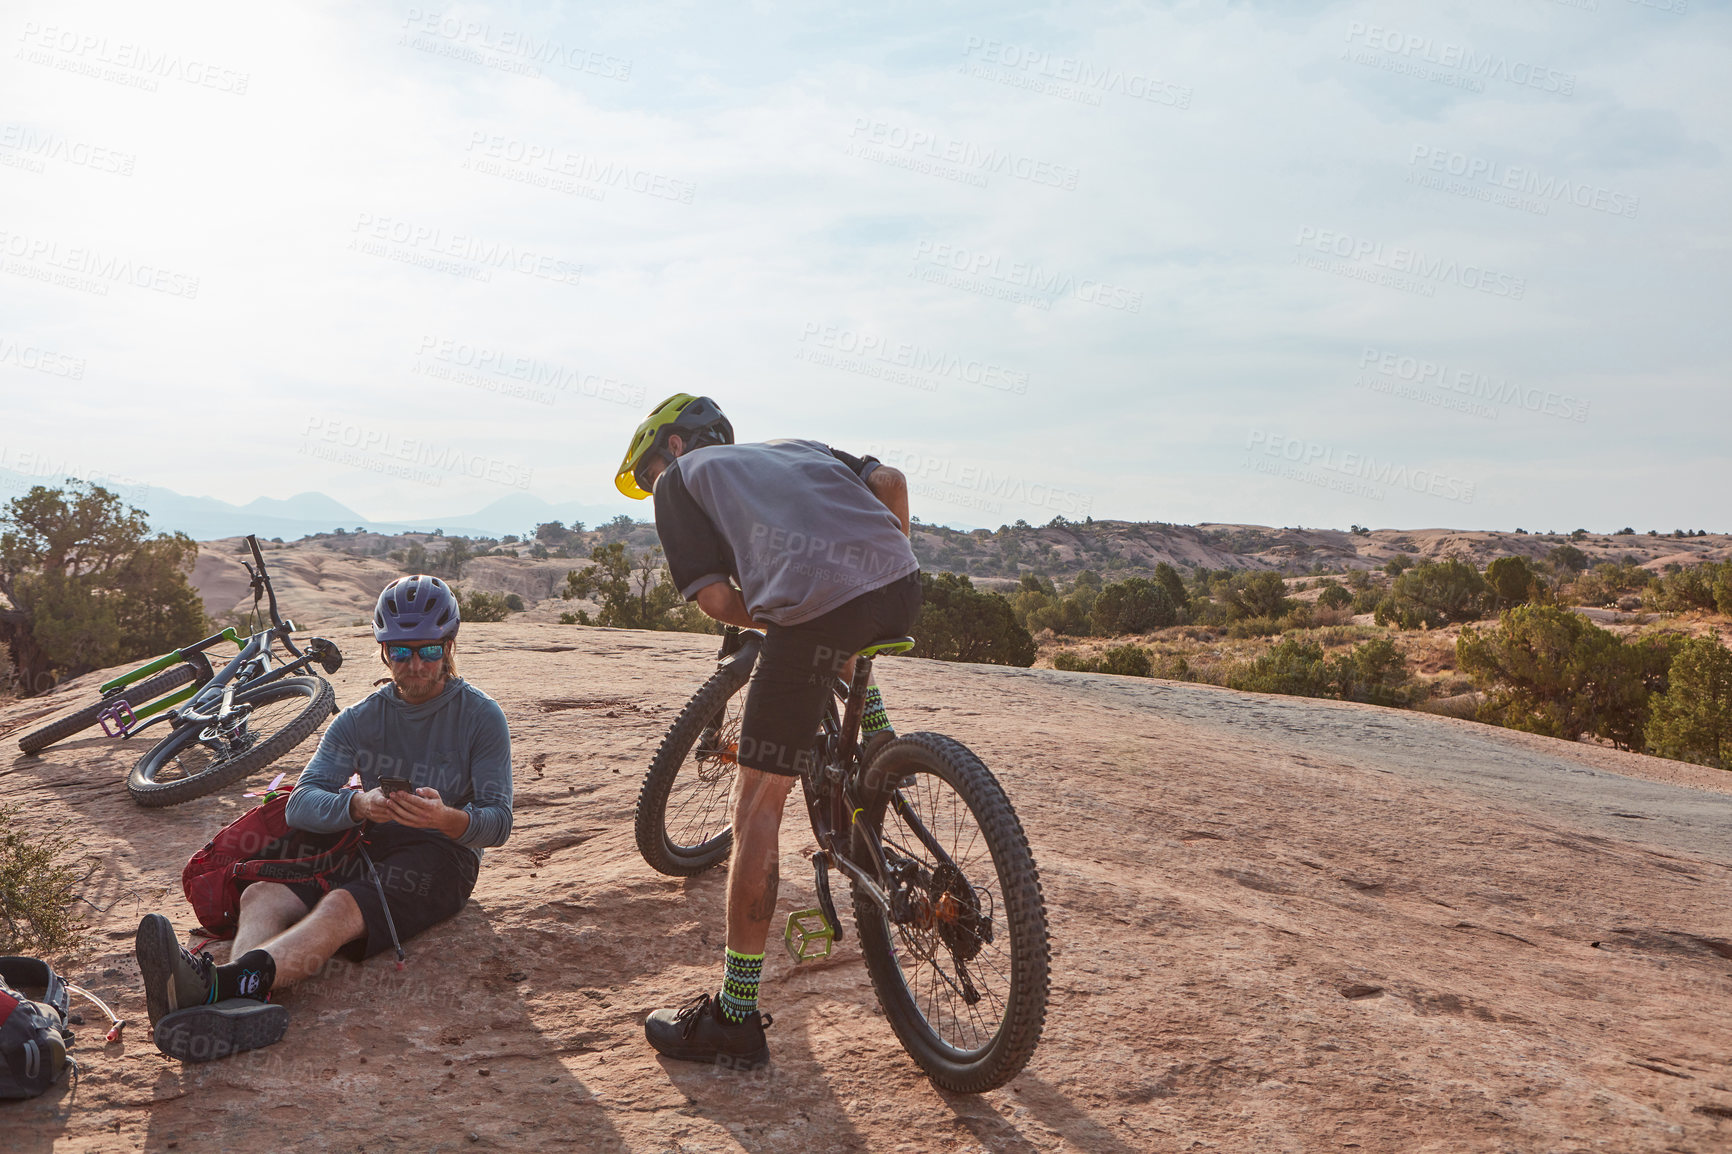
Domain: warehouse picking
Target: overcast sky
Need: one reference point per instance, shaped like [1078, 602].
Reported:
[1458, 264]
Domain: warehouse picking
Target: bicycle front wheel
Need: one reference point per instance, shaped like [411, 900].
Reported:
[961, 964]
[145, 691]
[200, 758]
[685, 808]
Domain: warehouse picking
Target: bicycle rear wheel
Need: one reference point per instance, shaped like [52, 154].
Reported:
[961, 965]
[685, 808]
[147, 690]
[200, 758]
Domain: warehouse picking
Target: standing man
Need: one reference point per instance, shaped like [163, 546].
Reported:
[810, 545]
[427, 727]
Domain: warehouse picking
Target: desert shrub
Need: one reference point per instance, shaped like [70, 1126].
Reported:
[1072, 662]
[1568, 557]
[1168, 578]
[634, 589]
[1375, 672]
[1134, 605]
[37, 903]
[1685, 589]
[1292, 667]
[581, 617]
[1550, 671]
[1511, 581]
[1334, 597]
[1253, 627]
[1367, 599]
[1255, 594]
[1692, 720]
[1397, 565]
[88, 587]
[514, 602]
[1127, 660]
[1432, 595]
[480, 605]
[1605, 584]
[961, 623]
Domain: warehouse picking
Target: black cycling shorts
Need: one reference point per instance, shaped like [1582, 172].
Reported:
[427, 878]
[799, 663]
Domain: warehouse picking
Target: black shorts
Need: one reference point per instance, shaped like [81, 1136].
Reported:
[427, 878]
[799, 663]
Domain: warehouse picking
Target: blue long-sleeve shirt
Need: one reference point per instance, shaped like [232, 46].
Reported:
[458, 743]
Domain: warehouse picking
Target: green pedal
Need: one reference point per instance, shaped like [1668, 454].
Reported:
[808, 935]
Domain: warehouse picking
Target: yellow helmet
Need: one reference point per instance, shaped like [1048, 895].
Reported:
[697, 420]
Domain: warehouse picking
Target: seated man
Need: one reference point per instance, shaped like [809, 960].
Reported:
[810, 545]
[423, 847]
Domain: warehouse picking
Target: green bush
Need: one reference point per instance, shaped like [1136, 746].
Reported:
[1168, 578]
[1511, 581]
[1605, 584]
[1568, 557]
[1071, 662]
[37, 902]
[961, 623]
[87, 587]
[1548, 670]
[1334, 597]
[1134, 605]
[1292, 667]
[1127, 660]
[1696, 587]
[514, 602]
[1398, 564]
[581, 617]
[1368, 599]
[1692, 720]
[1254, 594]
[480, 605]
[1432, 595]
[634, 589]
[1374, 672]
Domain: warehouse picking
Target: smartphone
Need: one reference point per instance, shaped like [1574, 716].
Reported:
[393, 785]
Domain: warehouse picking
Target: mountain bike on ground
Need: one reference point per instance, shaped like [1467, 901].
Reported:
[947, 900]
[225, 724]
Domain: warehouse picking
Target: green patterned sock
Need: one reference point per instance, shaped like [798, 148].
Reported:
[740, 985]
[873, 718]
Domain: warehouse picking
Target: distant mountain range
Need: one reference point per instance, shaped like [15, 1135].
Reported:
[207, 518]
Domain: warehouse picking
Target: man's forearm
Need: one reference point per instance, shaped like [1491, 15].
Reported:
[722, 602]
[891, 487]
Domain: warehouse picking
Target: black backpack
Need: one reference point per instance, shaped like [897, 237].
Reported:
[33, 1034]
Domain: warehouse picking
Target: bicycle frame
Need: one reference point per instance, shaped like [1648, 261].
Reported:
[211, 696]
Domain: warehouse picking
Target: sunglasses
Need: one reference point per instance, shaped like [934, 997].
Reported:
[398, 654]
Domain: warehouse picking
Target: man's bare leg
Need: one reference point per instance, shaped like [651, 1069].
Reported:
[754, 874]
[267, 909]
[301, 948]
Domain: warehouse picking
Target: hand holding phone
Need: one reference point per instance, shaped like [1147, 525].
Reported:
[393, 785]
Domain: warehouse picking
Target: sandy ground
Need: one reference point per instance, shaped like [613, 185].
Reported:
[1279, 925]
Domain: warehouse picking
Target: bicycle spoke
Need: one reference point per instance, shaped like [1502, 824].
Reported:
[699, 808]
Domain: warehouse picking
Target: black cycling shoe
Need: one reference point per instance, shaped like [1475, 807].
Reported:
[697, 1032]
[220, 1030]
[173, 978]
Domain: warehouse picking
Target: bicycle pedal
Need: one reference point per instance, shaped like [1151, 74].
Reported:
[808, 935]
[120, 714]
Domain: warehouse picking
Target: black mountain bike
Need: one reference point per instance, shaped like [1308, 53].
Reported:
[226, 724]
[947, 899]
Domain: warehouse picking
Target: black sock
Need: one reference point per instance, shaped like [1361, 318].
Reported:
[248, 976]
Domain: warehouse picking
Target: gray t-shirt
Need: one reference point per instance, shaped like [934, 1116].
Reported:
[792, 522]
[458, 743]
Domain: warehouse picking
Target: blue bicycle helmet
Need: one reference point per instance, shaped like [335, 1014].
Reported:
[418, 608]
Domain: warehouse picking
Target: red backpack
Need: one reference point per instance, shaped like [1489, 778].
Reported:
[261, 845]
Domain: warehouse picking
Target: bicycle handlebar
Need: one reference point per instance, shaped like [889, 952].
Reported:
[264, 579]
